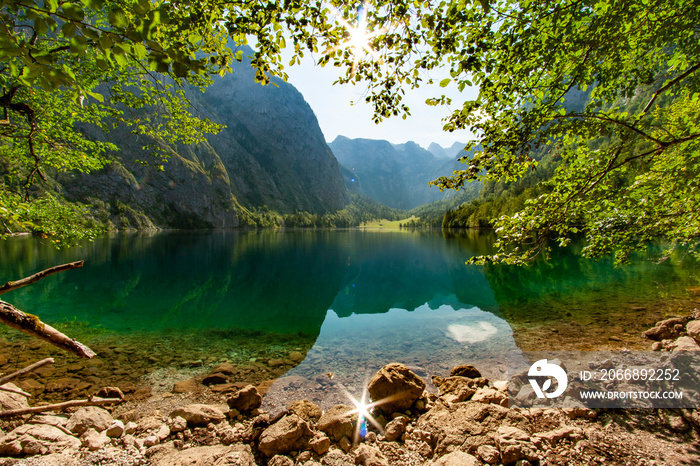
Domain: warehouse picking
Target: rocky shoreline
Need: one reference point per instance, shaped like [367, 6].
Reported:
[466, 423]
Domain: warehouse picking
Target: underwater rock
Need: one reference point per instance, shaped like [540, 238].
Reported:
[397, 385]
[465, 370]
[306, 410]
[188, 386]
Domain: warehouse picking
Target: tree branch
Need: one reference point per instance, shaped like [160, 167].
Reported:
[26, 370]
[9, 286]
[672, 82]
[31, 324]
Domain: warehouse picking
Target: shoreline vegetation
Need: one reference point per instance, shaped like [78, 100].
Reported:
[212, 418]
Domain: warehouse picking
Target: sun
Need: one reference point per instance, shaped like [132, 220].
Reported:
[359, 38]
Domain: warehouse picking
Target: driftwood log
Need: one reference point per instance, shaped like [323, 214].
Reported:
[9, 286]
[28, 323]
[31, 324]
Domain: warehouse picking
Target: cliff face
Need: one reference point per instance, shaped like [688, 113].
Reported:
[395, 175]
[271, 153]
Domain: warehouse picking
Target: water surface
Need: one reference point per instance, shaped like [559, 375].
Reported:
[348, 302]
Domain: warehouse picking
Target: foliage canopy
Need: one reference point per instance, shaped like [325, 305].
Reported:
[629, 163]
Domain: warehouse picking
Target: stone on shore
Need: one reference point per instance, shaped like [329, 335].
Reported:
[218, 455]
[89, 417]
[10, 400]
[684, 344]
[199, 414]
[337, 422]
[246, 399]
[368, 455]
[94, 440]
[34, 439]
[397, 385]
[289, 433]
[668, 329]
[456, 458]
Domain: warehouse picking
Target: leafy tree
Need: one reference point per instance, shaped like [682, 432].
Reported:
[68, 64]
[629, 162]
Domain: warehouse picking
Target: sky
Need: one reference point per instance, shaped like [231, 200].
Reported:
[336, 115]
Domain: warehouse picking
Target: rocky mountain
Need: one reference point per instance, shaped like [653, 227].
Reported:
[446, 153]
[271, 156]
[395, 175]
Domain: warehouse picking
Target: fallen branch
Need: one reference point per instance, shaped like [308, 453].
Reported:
[26, 370]
[16, 392]
[28, 323]
[60, 406]
[9, 286]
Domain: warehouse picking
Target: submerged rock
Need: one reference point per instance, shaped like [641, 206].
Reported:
[465, 370]
[306, 410]
[396, 387]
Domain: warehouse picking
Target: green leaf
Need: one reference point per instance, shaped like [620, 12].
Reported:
[68, 30]
[117, 18]
[445, 82]
[73, 11]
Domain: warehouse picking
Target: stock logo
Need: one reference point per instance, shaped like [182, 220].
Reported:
[542, 368]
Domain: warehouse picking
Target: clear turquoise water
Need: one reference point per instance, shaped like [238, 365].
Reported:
[350, 301]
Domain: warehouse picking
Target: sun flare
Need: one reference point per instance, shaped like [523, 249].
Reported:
[359, 38]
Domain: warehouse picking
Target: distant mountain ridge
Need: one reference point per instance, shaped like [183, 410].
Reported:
[396, 175]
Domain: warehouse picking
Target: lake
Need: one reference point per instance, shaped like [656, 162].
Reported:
[322, 310]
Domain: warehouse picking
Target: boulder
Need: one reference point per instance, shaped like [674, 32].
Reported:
[219, 455]
[667, 329]
[178, 424]
[306, 410]
[215, 378]
[89, 417]
[397, 385]
[368, 455]
[456, 458]
[684, 344]
[94, 440]
[199, 414]
[279, 460]
[693, 329]
[115, 430]
[490, 395]
[246, 399]
[110, 392]
[457, 389]
[320, 444]
[33, 439]
[10, 400]
[188, 386]
[337, 422]
[489, 454]
[395, 429]
[465, 370]
[289, 433]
